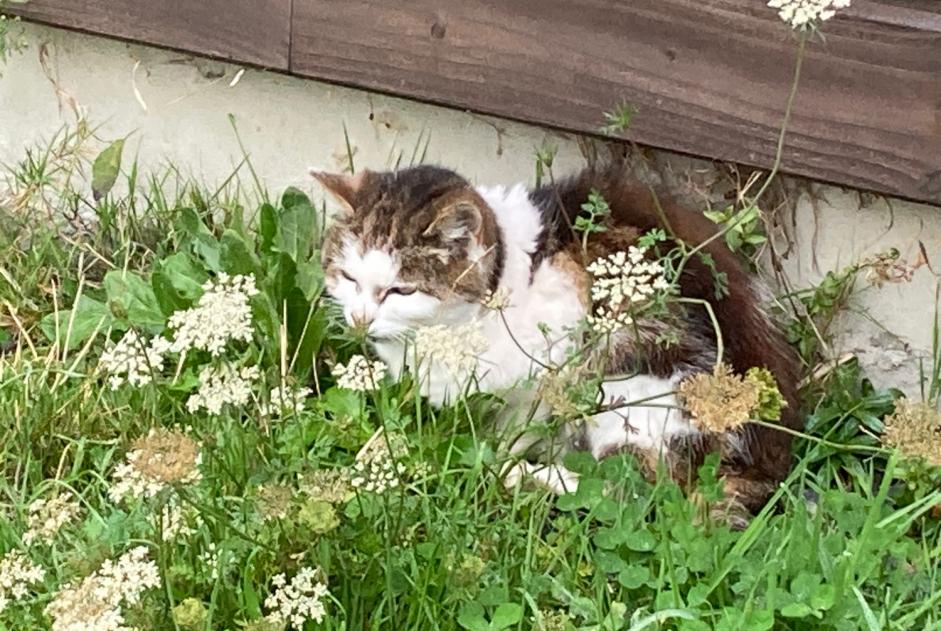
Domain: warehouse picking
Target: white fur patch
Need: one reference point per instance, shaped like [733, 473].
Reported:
[649, 425]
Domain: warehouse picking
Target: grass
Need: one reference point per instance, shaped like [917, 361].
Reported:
[850, 540]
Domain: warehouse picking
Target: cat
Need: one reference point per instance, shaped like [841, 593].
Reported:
[421, 246]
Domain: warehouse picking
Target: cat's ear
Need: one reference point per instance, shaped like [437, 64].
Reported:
[341, 186]
[459, 221]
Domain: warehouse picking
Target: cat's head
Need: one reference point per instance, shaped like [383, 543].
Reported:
[411, 248]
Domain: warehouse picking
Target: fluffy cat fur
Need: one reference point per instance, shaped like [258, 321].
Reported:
[422, 246]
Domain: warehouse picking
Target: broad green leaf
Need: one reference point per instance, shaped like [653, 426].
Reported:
[298, 226]
[471, 617]
[634, 576]
[105, 169]
[506, 615]
[135, 298]
[235, 256]
[185, 276]
[89, 315]
[641, 541]
[268, 226]
[796, 610]
[201, 238]
[168, 297]
[307, 327]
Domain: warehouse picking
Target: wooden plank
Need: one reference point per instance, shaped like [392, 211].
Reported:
[707, 78]
[257, 32]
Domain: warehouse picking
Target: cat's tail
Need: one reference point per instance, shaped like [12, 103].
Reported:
[751, 337]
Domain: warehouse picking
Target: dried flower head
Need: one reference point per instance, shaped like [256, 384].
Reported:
[161, 458]
[96, 602]
[804, 14]
[552, 620]
[624, 284]
[328, 485]
[299, 600]
[285, 400]
[570, 392]
[719, 401]
[17, 573]
[274, 501]
[46, 517]
[222, 385]
[888, 267]
[133, 360]
[222, 314]
[359, 374]
[456, 348]
[914, 429]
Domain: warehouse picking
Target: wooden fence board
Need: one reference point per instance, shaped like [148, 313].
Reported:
[707, 78]
[250, 31]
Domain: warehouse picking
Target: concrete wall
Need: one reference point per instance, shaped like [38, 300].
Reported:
[177, 107]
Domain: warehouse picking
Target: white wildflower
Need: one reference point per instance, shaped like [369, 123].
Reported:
[376, 469]
[298, 601]
[456, 348]
[158, 460]
[17, 573]
[283, 399]
[214, 560]
[376, 475]
[133, 360]
[46, 517]
[496, 300]
[624, 283]
[222, 385]
[801, 14]
[173, 521]
[223, 313]
[359, 374]
[96, 602]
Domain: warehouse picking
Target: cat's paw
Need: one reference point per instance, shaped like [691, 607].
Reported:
[553, 478]
[514, 473]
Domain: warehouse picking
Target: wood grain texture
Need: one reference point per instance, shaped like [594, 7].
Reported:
[250, 31]
[707, 78]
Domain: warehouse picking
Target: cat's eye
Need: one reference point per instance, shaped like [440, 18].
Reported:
[401, 290]
[348, 277]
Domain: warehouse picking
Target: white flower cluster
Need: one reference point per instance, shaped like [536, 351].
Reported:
[456, 348]
[359, 374]
[285, 399]
[804, 13]
[376, 475]
[496, 300]
[46, 518]
[132, 480]
[223, 313]
[95, 603]
[214, 560]
[133, 360]
[221, 385]
[17, 573]
[623, 283]
[299, 600]
[173, 522]
[129, 481]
